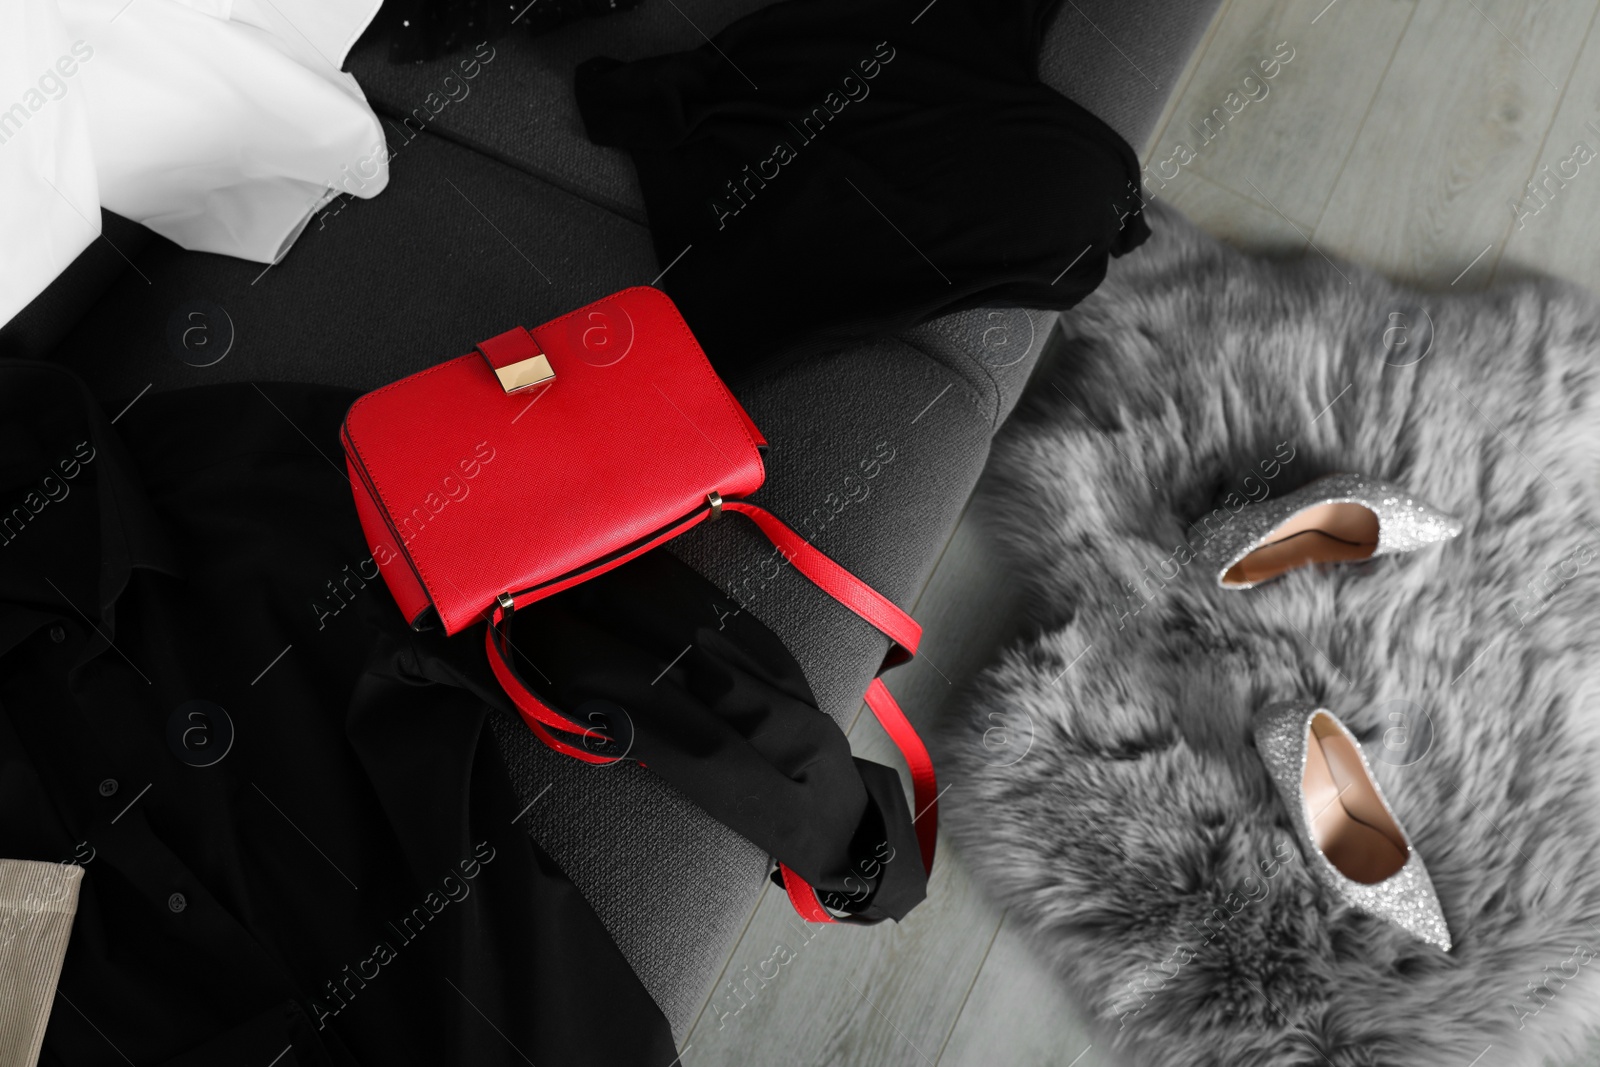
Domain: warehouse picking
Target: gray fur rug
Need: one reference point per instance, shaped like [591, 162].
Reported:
[1104, 786]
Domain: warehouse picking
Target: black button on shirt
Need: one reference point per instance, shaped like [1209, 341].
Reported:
[337, 881]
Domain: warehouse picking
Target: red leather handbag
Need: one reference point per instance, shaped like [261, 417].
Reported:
[549, 456]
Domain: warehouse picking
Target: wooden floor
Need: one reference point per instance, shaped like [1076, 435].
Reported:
[1403, 134]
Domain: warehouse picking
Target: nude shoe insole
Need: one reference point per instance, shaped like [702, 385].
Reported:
[1349, 822]
[1323, 533]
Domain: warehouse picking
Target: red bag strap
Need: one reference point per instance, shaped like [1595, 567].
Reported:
[871, 605]
[924, 783]
[846, 588]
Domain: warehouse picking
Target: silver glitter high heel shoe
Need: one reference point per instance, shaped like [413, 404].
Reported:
[1352, 842]
[1339, 518]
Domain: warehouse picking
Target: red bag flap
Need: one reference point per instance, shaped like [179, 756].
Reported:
[483, 491]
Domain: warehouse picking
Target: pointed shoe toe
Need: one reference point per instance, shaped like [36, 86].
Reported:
[1353, 844]
[1339, 518]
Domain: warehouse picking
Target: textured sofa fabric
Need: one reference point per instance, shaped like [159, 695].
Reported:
[498, 212]
[382, 288]
[1122, 60]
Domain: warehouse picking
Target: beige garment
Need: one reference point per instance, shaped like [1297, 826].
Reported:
[37, 903]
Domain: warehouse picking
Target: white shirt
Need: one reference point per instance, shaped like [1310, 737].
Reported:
[223, 125]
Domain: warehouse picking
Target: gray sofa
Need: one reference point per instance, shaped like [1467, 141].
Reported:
[500, 211]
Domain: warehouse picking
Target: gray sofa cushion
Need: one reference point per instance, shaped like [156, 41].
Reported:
[1122, 60]
[397, 283]
[382, 288]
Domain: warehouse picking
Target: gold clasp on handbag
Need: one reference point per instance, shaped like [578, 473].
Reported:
[524, 374]
[714, 498]
[516, 359]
